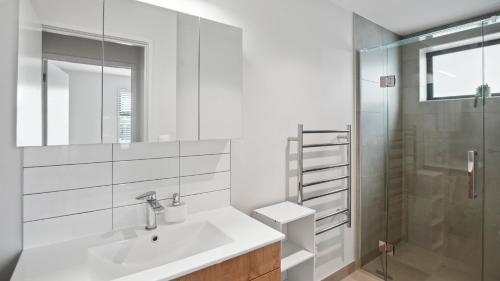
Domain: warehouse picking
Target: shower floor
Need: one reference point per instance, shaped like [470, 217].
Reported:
[413, 263]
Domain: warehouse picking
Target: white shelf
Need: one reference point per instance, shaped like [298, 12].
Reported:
[293, 255]
[285, 212]
[298, 250]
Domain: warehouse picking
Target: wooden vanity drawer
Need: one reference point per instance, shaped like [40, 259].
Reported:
[274, 275]
[255, 264]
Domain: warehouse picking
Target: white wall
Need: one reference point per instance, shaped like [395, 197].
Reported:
[57, 105]
[84, 107]
[10, 160]
[298, 68]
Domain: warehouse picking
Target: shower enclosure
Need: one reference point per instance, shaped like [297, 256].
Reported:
[429, 148]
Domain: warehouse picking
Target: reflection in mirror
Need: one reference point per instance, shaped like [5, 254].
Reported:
[136, 73]
[123, 93]
[59, 72]
[142, 38]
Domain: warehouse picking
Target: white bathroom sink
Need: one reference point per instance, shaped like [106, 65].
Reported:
[154, 248]
[204, 239]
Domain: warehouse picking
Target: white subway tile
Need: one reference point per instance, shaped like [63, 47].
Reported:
[125, 194]
[142, 170]
[45, 232]
[129, 216]
[207, 201]
[205, 147]
[204, 183]
[195, 165]
[136, 151]
[53, 204]
[133, 215]
[69, 154]
[54, 178]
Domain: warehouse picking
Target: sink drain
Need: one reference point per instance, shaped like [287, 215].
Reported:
[155, 238]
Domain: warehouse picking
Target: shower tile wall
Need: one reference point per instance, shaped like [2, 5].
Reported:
[492, 176]
[492, 192]
[380, 118]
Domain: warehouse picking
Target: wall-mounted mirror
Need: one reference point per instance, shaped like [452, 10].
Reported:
[59, 66]
[123, 71]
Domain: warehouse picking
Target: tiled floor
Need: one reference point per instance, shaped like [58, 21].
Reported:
[412, 263]
[360, 275]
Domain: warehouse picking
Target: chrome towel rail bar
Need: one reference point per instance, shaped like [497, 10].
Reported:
[325, 194]
[348, 222]
[324, 131]
[322, 168]
[324, 144]
[301, 171]
[329, 215]
[324, 181]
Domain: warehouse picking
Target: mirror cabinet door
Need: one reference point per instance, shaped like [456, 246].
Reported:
[123, 71]
[188, 38]
[59, 72]
[221, 63]
[140, 65]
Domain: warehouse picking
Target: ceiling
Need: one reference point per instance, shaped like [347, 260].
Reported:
[410, 16]
[90, 68]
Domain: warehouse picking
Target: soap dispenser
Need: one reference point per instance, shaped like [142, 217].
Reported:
[177, 211]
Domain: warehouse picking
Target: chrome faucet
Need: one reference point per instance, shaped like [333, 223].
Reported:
[153, 208]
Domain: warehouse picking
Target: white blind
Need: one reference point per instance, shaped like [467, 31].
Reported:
[124, 116]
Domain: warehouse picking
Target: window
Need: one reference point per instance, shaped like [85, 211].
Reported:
[124, 116]
[458, 72]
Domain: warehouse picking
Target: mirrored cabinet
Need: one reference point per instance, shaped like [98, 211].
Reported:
[123, 71]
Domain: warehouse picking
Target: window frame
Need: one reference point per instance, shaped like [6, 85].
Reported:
[430, 71]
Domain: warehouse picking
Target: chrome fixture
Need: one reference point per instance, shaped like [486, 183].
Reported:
[388, 81]
[343, 140]
[153, 208]
[176, 201]
[471, 174]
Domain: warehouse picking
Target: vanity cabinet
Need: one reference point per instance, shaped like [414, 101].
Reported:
[260, 265]
[274, 275]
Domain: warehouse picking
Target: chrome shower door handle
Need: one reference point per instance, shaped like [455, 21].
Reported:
[471, 174]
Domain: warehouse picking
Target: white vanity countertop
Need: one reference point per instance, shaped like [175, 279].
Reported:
[68, 261]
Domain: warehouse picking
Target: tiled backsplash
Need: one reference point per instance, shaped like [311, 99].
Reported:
[75, 191]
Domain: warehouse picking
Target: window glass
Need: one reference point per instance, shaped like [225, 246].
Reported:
[458, 72]
[492, 68]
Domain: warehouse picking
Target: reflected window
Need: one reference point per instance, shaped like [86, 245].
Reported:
[125, 116]
[458, 72]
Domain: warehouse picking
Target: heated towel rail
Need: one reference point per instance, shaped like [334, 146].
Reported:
[301, 170]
